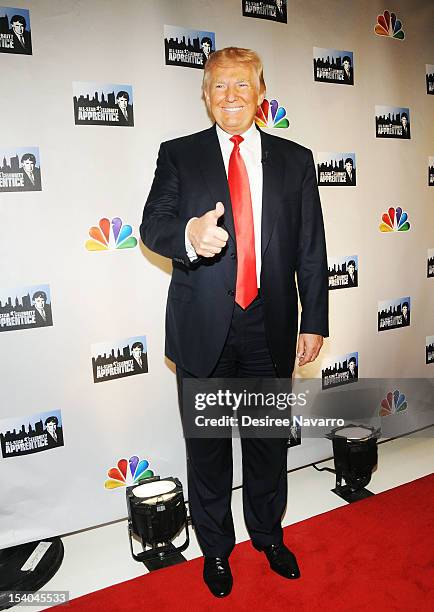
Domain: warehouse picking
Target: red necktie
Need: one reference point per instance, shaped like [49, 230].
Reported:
[239, 188]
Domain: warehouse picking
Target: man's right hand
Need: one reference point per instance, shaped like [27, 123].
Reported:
[207, 238]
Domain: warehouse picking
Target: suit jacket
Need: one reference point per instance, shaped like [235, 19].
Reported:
[122, 120]
[18, 47]
[28, 185]
[190, 178]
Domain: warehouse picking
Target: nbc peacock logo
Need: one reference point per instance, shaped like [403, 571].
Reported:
[394, 402]
[394, 220]
[110, 235]
[270, 114]
[388, 25]
[128, 472]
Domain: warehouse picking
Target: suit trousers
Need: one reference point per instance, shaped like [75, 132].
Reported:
[264, 460]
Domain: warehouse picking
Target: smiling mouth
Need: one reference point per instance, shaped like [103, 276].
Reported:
[232, 109]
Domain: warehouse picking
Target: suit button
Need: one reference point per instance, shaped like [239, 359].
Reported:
[231, 292]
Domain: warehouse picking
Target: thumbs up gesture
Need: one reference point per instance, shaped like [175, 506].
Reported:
[207, 238]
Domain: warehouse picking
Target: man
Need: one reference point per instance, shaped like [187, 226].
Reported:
[54, 435]
[32, 175]
[42, 309]
[352, 368]
[206, 46]
[405, 314]
[140, 363]
[405, 126]
[352, 273]
[21, 38]
[125, 110]
[350, 176]
[232, 303]
[348, 71]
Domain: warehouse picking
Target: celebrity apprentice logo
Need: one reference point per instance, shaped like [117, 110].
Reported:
[336, 169]
[15, 34]
[394, 402]
[389, 25]
[333, 66]
[273, 10]
[271, 115]
[343, 272]
[393, 314]
[429, 349]
[344, 370]
[110, 235]
[188, 48]
[103, 104]
[31, 434]
[20, 169]
[25, 308]
[392, 122]
[394, 220]
[127, 472]
[119, 359]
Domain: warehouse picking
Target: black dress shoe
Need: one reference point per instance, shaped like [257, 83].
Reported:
[217, 575]
[282, 560]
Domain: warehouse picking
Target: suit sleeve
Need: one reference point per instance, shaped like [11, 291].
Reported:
[312, 270]
[162, 230]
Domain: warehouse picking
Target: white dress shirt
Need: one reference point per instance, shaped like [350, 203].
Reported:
[251, 152]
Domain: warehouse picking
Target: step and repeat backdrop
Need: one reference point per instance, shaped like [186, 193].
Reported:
[89, 90]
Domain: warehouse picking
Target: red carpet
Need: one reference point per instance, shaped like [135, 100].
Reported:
[374, 555]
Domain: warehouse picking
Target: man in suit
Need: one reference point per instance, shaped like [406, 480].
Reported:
[348, 71]
[352, 273]
[21, 37]
[54, 432]
[140, 361]
[125, 110]
[405, 126]
[405, 314]
[350, 176]
[238, 212]
[42, 309]
[32, 174]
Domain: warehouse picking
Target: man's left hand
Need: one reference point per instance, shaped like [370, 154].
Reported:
[308, 348]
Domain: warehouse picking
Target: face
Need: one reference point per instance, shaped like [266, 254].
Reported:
[122, 103]
[351, 269]
[39, 302]
[351, 365]
[28, 165]
[346, 65]
[137, 352]
[51, 427]
[404, 121]
[233, 96]
[18, 28]
[404, 310]
[206, 48]
[349, 167]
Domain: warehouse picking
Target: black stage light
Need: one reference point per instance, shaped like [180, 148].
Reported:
[355, 455]
[156, 515]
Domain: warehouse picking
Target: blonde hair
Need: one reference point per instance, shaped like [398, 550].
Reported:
[230, 55]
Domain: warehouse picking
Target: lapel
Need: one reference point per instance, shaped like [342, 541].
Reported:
[273, 171]
[213, 171]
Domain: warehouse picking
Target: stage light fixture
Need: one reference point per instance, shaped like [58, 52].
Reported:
[156, 515]
[355, 456]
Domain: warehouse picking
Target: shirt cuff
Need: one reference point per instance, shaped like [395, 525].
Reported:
[191, 253]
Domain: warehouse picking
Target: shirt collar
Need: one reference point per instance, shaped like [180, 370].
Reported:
[249, 135]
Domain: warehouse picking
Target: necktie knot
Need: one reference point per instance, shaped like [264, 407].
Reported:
[237, 140]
